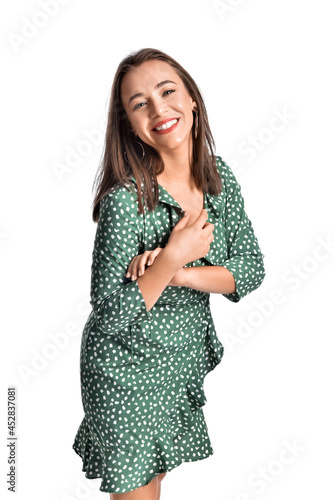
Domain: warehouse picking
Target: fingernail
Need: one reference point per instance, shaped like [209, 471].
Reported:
[185, 213]
[148, 263]
[133, 277]
[139, 273]
[127, 274]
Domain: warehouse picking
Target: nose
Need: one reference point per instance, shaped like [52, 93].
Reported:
[157, 107]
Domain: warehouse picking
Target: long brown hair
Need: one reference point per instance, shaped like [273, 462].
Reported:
[118, 168]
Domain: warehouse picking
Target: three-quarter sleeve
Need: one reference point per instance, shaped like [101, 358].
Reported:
[245, 259]
[116, 302]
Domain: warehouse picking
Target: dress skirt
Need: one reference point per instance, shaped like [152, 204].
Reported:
[142, 393]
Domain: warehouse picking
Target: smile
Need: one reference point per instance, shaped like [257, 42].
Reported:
[167, 127]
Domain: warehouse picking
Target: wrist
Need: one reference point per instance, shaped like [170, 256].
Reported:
[186, 276]
[170, 260]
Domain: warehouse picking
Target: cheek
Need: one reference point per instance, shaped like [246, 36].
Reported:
[138, 124]
[186, 110]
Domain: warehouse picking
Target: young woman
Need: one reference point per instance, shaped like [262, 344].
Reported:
[171, 230]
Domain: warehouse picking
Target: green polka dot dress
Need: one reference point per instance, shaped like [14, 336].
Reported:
[142, 372]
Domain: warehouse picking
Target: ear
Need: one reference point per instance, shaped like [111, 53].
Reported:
[194, 106]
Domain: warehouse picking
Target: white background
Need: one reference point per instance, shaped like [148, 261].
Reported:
[252, 60]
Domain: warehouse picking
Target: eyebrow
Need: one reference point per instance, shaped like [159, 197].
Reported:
[139, 94]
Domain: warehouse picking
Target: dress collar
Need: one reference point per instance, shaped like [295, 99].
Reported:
[212, 203]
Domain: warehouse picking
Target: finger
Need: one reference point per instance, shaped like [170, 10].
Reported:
[132, 270]
[209, 225]
[143, 262]
[139, 262]
[208, 230]
[158, 250]
[183, 221]
[202, 217]
[129, 269]
[148, 259]
[153, 255]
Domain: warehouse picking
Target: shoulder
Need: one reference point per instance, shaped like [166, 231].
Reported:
[120, 201]
[227, 175]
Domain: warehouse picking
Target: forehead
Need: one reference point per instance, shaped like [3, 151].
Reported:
[147, 75]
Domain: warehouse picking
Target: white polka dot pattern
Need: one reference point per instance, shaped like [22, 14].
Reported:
[142, 372]
[244, 258]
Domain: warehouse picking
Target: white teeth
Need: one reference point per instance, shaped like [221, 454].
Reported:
[167, 125]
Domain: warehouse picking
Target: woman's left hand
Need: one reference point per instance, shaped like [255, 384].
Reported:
[138, 263]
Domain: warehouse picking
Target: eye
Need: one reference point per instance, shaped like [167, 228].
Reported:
[165, 92]
[170, 90]
[138, 105]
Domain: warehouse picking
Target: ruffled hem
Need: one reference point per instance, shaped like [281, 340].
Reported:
[180, 440]
[108, 489]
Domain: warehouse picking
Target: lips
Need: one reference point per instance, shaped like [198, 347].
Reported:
[168, 130]
[164, 121]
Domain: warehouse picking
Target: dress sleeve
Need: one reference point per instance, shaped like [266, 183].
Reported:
[116, 300]
[245, 259]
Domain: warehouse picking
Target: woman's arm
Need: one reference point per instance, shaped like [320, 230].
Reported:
[211, 279]
[157, 277]
[118, 303]
[115, 302]
[243, 271]
[245, 259]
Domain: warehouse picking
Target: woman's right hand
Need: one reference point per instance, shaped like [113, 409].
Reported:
[188, 243]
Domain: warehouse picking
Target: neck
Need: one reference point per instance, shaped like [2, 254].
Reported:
[177, 166]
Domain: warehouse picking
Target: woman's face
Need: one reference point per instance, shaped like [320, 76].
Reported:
[162, 98]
